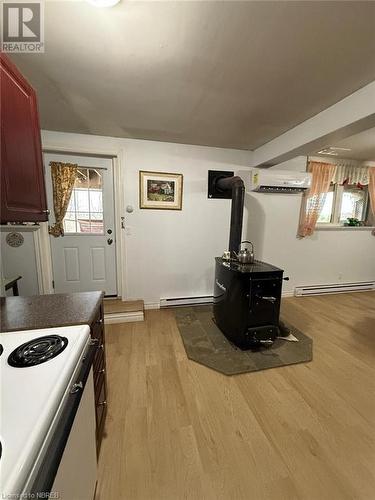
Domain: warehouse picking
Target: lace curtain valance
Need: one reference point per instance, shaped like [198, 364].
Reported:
[347, 171]
[351, 174]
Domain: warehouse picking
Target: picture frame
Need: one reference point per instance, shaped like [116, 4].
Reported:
[160, 190]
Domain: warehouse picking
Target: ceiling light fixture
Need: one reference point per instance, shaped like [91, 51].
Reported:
[327, 152]
[332, 150]
[103, 3]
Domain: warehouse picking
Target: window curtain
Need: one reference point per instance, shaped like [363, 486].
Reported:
[313, 200]
[347, 171]
[351, 174]
[63, 179]
[371, 187]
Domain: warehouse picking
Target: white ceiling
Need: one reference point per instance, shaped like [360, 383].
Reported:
[226, 74]
[361, 146]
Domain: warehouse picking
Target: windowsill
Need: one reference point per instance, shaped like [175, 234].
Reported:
[339, 227]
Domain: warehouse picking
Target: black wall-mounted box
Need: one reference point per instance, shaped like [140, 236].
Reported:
[213, 191]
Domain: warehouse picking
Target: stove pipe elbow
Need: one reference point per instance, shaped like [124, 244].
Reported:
[237, 187]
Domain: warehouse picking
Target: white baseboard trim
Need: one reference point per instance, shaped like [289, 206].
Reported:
[186, 301]
[152, 305]
[311, 290]
[128, 317]
[156, 305]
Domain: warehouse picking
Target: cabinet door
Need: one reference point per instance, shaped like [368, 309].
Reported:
[23, 196]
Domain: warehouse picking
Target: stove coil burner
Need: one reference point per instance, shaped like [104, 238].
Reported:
[37, 351]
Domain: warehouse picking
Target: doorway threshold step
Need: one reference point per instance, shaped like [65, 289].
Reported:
[123, 311]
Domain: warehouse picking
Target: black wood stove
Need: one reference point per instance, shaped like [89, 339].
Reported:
[247, 302]
[246, 296]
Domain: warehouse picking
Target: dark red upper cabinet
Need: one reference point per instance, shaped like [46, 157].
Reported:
[23, 194]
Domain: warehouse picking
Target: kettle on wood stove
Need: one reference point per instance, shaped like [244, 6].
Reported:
[245, 256]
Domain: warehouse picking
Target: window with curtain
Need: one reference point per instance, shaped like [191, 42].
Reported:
[341, 194]
[345, 202]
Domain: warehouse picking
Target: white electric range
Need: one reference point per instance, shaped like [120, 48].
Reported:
[46, 392]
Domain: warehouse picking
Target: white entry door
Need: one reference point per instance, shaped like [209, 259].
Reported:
[84, 259]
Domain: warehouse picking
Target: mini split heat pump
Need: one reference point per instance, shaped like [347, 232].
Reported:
[269, 180]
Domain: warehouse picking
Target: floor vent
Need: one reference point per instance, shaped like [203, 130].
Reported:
[361, 286]
[186, 301]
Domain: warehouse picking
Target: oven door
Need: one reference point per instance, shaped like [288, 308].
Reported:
[69, 466]
[265, 294]
[76, 476]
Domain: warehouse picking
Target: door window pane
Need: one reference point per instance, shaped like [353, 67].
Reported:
[96, 216]
[72, 203]
[96, 200]
[82, 180]
[96, 223]
[95, 179]
[82, 200]
[70, 222]
[85, 209]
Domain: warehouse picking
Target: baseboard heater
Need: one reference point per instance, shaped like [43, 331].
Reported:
[361, 286]
[186, 301]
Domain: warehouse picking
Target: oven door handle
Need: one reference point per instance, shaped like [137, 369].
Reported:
[268, 298]
[48, 469]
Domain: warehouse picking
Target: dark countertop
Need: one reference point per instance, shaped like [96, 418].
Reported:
[48, 311]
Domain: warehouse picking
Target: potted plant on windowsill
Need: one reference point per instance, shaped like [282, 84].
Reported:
[352, 221]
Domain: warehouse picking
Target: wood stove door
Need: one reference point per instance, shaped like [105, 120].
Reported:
[265, 295]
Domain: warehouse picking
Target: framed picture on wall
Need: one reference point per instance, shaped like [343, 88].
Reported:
[160, 190]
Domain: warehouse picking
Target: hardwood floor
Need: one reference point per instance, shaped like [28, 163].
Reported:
[178, 430]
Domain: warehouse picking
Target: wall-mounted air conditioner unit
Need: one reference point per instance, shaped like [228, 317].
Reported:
[269, 180]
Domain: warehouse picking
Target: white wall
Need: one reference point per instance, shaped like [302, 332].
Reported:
[328, 256]
[168, 253]
[20, 261]
[171, 253]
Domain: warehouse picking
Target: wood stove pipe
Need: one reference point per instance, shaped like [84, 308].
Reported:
[236, 185]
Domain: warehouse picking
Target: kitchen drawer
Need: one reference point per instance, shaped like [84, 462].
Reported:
[100, 397]
[97, 327]
[101, 409]
[100, 352]
[99, 370]
[100, 385]
[99, 356]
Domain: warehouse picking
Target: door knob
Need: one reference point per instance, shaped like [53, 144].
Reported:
[110, 241]
[109, 231]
